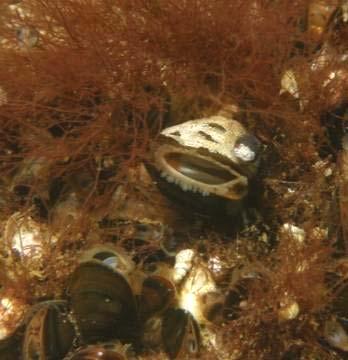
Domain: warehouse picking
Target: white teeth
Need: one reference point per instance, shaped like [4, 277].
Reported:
[184, 186]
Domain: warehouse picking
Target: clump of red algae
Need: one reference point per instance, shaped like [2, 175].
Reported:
[282, 312]
[81, 104]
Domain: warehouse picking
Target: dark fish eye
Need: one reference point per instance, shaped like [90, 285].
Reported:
[247, 148]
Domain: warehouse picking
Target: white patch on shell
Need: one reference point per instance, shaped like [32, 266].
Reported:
[183, 264]
[216, 134]
[244, 153]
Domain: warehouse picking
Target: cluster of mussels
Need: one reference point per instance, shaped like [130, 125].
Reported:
[110, 300]
[117, 306]
[113, 309]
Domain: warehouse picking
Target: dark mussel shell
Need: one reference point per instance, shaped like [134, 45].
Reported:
[245, 279]
[180, 334]
[10, 347]
[49, 333]
[102, 302]
[235, 297]
[108, 351]
[156, 295]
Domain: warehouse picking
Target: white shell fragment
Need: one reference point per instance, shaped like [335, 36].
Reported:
[216, 134]
[183, 264]
[244, 152]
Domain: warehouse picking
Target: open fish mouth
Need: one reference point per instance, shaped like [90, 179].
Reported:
[199, 173]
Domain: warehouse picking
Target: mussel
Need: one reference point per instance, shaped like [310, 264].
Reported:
[180, 334]
[103, 303]
[157, 294]
[236, 300]
[49, 333]
[206, 162]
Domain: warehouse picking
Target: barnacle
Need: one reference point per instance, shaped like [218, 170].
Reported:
[212, 156]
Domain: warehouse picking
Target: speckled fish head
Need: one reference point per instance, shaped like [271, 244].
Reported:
[209, 156]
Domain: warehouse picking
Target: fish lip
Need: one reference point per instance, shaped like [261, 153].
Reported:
[235, 189]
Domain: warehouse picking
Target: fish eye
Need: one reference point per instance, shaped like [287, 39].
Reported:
[247, 148]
